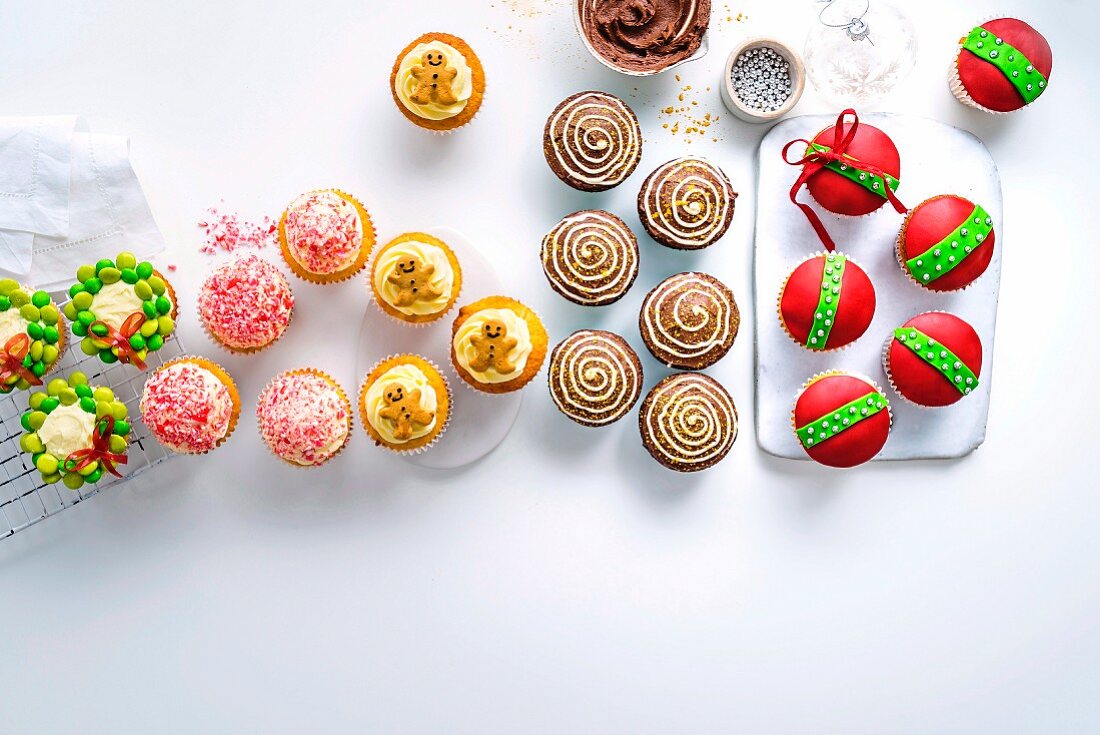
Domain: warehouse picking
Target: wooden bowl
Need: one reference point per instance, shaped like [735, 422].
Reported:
[750, 114]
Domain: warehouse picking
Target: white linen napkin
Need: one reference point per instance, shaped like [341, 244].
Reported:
[104, 210]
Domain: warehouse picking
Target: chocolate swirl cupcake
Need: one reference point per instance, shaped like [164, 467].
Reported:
[592, 141]
[590, 257]
[686, 204]
[689, 321]
[595, 377]
[643, 37]
[688, 422]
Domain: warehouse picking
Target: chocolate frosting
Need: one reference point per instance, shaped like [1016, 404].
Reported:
[644, 35]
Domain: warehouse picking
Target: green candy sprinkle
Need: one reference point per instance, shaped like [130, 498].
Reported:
[24, 421]
[108, 357]
[126, 261]
[35, 352]
[163, 305]
[49, 354]
[129, 275]
[143, 290]
[137, 342]
[35, 419]
[29, 312]
[78, 378]
[87, 346]
[70, 311]
[84, 272]
[99, 330]
[7, 285]
[105, 263]
[119, 410]
[38, 369]
[110, 275]
[50, 334]
[67, 397]
[40, 299]
[32, 444]
[117, 444]
[80, 329]
[5, 303]
[51, 479]
[50, 404]
[122, 428]
[93, 285]
[86, 317]
[35, 401]
[87, 404]
[165, 325]
[75, 289]
[34, 329]
[18, 299]
[154, 343]
[73, 480]
[49, 314]
[55, 386]
[88, 469]
[94, 477]
[149, 308]
[83, 390]
[149, 328]
[144, 269]
[83, 301]
[157, 284]
[103, 394]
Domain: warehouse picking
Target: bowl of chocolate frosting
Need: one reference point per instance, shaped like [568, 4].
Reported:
[643, 37]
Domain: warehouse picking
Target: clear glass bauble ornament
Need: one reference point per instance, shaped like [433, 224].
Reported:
[862, 60]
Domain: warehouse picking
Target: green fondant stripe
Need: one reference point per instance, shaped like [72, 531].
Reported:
[955, 371]
[1016, 67]
[942, 257]
[827, 301]
[842, 419]
[852, 171]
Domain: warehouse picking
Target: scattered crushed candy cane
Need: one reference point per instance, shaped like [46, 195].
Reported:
[227, 231]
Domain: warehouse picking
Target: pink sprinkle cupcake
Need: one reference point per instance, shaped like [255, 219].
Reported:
[325, 236]
[304, 417]
[245, 304]
[190, 405]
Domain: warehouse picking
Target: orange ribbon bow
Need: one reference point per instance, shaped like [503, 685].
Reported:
[100, 451]
[120, 338]
[11, 360]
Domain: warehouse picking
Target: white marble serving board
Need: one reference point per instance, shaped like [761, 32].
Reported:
[935, 159]
[479, 421]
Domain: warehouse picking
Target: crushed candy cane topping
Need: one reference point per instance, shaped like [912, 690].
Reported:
[303, 417]
[323, 231]
[246, 303]
[186, 407]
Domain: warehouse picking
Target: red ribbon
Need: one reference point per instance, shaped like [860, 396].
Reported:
[815, 160]
[11, 361]
[100, 451]
[120, 338]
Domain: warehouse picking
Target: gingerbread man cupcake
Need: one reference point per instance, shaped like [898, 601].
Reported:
[415, 278]
[405, 404]
[497, 344]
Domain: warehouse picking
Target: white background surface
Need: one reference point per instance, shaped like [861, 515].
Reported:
[565, 584]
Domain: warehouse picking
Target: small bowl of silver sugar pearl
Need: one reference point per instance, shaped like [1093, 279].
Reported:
[763, 80]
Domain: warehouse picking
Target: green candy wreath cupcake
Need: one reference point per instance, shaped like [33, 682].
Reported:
[75, 432]
[121, 309]
[32, 336]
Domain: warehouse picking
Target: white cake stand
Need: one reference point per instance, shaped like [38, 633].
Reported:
[935, 159]
[479, 421]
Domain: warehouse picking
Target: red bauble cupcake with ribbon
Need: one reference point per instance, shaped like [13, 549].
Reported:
[934, 359]
[1002, 65]
[841, 419]
[827, 302]
[945, 243]
[850, 169]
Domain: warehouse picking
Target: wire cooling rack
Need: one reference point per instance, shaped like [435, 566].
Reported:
[24, 498]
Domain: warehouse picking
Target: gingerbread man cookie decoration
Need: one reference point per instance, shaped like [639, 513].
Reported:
[404, 411]
[493, 345]
[411, 276]
[433, 79]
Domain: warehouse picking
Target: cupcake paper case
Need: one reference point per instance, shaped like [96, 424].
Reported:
[325, 236]
[121, 309]
[1001, 66]
[946, 243]
[405, 404]
[934, 359]
[304, 417]
[497, 344]
[75, 432]
[32, 336]
[438, 82]
[827, 302]
[841, 419]
[415, 278]
[191, 405]
[245, 304]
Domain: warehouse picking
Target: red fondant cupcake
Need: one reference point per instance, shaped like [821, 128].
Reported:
[945, 243]
[826, 302]
[852, 190]
[841, 419]
[934, 359]
[1001, 66]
